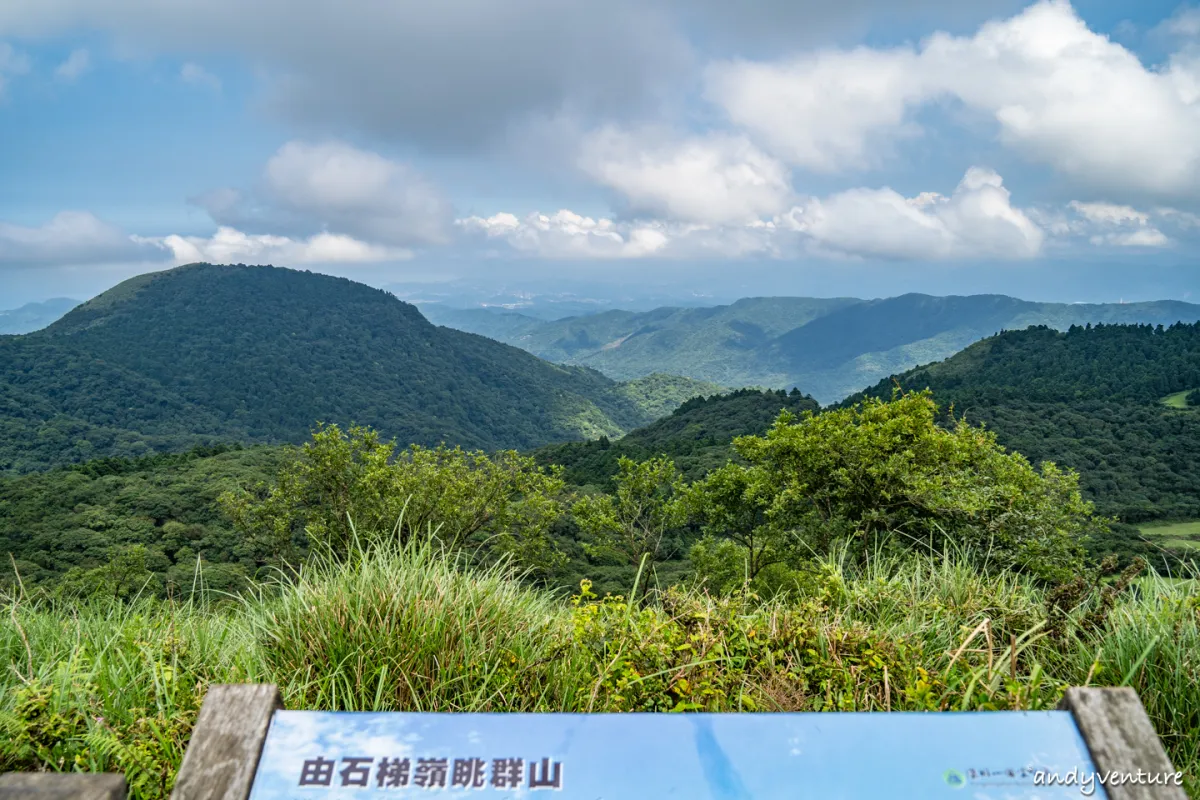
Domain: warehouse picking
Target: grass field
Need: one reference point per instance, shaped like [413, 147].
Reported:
[1177, 400]
[109, 686]
[1174, 534]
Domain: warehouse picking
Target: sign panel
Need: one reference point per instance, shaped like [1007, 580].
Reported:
[853, 756]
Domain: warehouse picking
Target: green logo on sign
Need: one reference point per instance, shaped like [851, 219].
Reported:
[955, 778]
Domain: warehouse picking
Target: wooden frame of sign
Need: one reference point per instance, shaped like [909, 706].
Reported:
[62, 786]
[226, 743]
[1122, 741]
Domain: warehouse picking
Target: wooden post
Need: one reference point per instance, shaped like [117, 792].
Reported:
[62, 786]
[223, 753]
[1122, 741]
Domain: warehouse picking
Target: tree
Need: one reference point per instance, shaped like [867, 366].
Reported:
[130, 571]
[344, 485]
[734, 503]
[884, 473]
[636, 521]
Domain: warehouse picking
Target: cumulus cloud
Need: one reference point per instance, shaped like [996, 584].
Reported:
[711, 179]
[823, 112]
[1057, 92]
[1143, 237]
[332, 186]
[70, 237]
[1110, 225]
[195, 75]
[75, 65]
[977, 220]
[228, 245]
[1109, 214]
[566, 234]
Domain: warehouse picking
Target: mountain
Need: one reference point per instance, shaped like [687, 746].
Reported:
[1091, 398]
[696, 435]
[205, 353]
[828, 347]
[34, 316]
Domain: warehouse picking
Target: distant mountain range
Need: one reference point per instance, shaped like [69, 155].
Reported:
[207, 353]
[34, 316]
[829, 348]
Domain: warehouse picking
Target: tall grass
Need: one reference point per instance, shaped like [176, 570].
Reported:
[409, 629]
[110, 686]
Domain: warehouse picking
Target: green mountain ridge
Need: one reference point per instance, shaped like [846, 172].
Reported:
[1088, 398]
[829, 348]
[206, 353]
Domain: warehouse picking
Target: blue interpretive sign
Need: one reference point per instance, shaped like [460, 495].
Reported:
[853, 756]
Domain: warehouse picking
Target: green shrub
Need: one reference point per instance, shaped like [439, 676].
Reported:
[115, 685]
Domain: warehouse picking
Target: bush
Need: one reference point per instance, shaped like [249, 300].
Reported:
[883, 475]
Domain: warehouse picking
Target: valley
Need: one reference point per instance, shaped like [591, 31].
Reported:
[830, 348]
[207, 445]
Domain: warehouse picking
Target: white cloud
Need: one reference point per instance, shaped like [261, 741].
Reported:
[196, 75]
[1183, 219]
[1109, 225]
[1059, 93]
[76, 64]
[1109, 214]
[228, 245]
[70, 237]
[820, 111]
[712, 179]
[1143, 237]
[12, 62]
[977, 220]
[566, 234]
[333, 186]
[1185, 22]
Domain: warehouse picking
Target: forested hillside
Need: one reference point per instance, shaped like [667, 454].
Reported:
[206, 353]
[1087, 398]
[829, 348]
[697, 436]
[160, 511]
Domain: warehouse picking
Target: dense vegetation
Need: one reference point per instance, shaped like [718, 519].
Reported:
[107, 685]
[872, 478]
[201, 354]
[762, 554]
[828, 347]
[1088, 399]
[67, 525]
[697, 436]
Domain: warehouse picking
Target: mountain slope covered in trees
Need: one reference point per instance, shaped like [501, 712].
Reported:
[829, 348]
[204, 353]
[1087, 398]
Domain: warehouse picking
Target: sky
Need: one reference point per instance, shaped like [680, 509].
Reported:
[866, 147]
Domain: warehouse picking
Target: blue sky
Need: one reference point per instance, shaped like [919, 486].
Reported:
[1047, 150]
